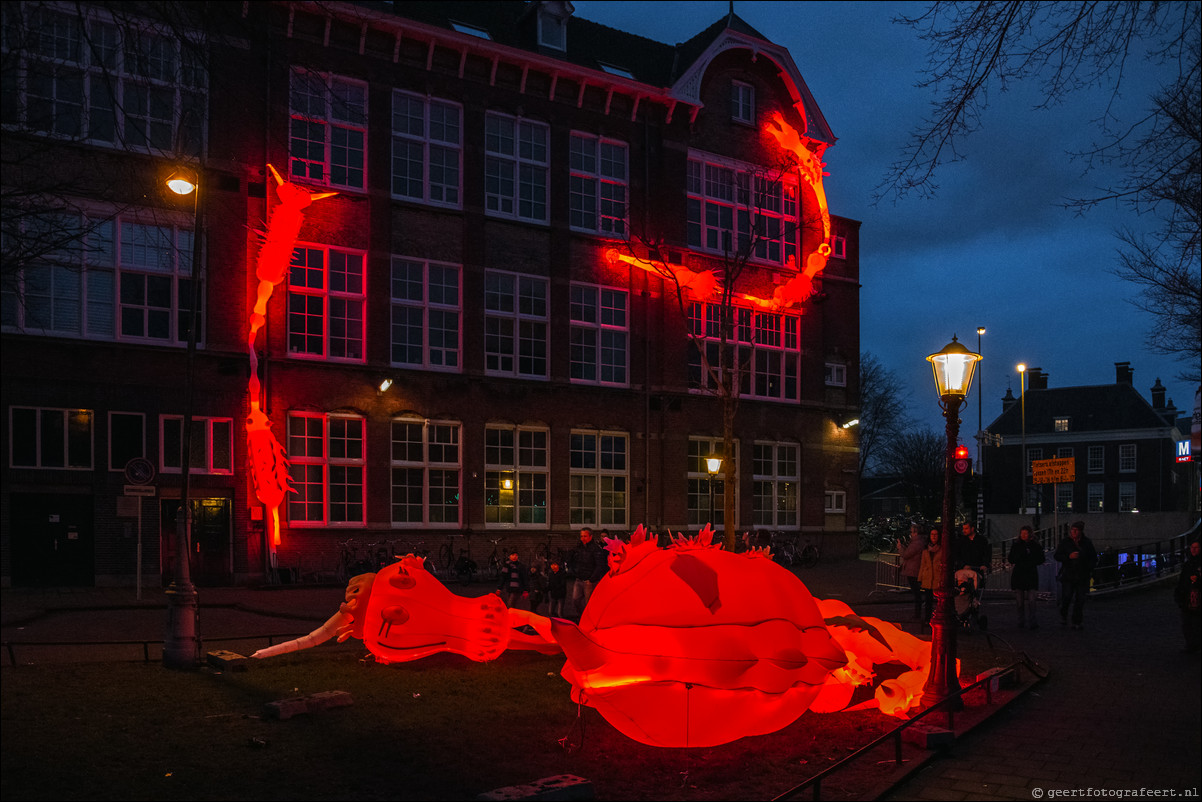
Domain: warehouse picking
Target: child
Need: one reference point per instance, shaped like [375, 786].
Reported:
[557, 589]
[514, 580]
[538, 587]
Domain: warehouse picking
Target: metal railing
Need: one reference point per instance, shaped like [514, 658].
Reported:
[896, 734]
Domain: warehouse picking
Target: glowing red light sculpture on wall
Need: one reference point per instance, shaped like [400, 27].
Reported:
[683, 646]
[268, 462]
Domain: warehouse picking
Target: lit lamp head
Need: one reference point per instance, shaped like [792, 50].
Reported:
[183, 181]
[713, 464]
[953, 368]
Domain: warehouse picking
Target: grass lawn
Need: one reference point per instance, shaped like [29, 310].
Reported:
[442, 728]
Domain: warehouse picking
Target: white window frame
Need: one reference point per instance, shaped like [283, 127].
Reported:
[516, 324]
[1127, 458]
[438, 136]
[1064, 497]
[518, 455]
[768, 351]
[428, 306]
[776, 485]
[335, 106]
[599, 351]
[598, 185]
[517, 161]
[1032, 455]
[315, 472]
[40, 429]
[838, 245]
[1096, 459]
[207, 432]
[1095, 497]
[82, 290]
[437, 455]
[742, 102]
[1061, 424]
[834, 502]
[698, 478]
[835, 374]
[115, 83]
[308, 281]
[1127, 502]
[727, 199]
[599, 480]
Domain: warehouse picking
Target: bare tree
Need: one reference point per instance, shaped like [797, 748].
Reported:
[883, 418]
[917, 458]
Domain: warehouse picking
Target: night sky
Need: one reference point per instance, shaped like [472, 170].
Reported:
[995, 247]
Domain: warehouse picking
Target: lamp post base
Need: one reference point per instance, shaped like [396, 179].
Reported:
[181, 646]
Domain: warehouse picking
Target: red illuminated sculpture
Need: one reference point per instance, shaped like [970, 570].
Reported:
[683, 646]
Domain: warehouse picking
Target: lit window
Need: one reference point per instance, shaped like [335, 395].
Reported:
[766, 342]
[1127, 458]
[742, 102]
[835, 374]
[515, 325]
[775, 485]
[426, 315]
[741, 210]
[516, 161]
[211, 445]
[325, 303]
[834, 502]
[597, 191]
[1061, 424]
[50, 438]
[425, 472]
[516, 476]
[598, 482]
[326, 465]
[600, 332]
[427, 150]
[329, 129]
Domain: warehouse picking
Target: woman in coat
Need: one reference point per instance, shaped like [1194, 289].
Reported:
[910, 563]
[930, 571]
[1026, 555]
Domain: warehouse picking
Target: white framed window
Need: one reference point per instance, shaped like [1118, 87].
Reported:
[127, 438]
[516, 168]
[776, 485]
[834, 502]
[838, 245]
[515, 324]
[211, 445]
[328, 137]
[1033, 454]
[1096, 459]
[516, 476]
[327, 464]
[426, 463]
[1060, 424]
[427, 315]
[1127, 497]
[702, 488]
[42, 437]
[1127, 462]
[599, 478]
[1095, 497]
[767, 351]
[1064, 452]
[600, 333]
[597, 188]
[115, 278]
[552, 29]
[326, 292]
[742, 102]
[1064, 497]
[427, 149]
[104, 79]
[738, 208]
[835, 374]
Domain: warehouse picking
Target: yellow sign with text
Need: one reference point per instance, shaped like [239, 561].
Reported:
[1052, 471]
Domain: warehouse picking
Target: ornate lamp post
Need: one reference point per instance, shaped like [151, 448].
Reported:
[181, 646]
[1022, 457]
[953, 368]
[713, 464]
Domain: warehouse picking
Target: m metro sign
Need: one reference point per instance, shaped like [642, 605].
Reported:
[1052, 471]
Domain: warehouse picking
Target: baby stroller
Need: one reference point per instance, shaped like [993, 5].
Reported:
[968, 600]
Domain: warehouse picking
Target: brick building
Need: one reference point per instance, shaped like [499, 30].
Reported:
[504, 174]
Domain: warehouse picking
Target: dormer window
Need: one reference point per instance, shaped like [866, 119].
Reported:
[553, 25]
[613, 69]
[471, 30]
[742, 102]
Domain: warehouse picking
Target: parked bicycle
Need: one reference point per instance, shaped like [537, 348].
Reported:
[354, 560]
[808, 556]
[495, 562]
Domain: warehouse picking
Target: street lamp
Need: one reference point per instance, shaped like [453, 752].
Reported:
[980, 422]
[713, 464]
[1022, 457]
[953, 368]
[181, 646]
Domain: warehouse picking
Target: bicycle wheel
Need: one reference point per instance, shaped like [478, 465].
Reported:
[446, 556]
[809, 556]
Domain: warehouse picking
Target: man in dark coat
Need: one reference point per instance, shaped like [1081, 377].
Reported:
[1188, 595]
[1026, 555]
[1077, 557]
[587, 564]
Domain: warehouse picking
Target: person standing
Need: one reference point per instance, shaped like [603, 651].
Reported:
[910, 559]
[557, 589]
[1188, 595]
[930, 571]
[538, 587]
[1026, 555]
[588, 565]
[1077, 557]
[514, 580]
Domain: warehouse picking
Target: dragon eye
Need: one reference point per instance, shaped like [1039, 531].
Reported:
[403, 581]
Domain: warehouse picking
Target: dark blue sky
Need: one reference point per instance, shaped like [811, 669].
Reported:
[995, 247]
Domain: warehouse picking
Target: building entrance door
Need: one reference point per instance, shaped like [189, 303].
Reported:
[211, 535]
[52, 540]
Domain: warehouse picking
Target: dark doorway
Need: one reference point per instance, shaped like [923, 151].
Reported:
[210, 565]
[53, 544]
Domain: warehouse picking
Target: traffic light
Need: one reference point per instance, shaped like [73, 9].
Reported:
[961, 452]
[962, 464]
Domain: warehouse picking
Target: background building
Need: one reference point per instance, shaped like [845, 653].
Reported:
[503, 173]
